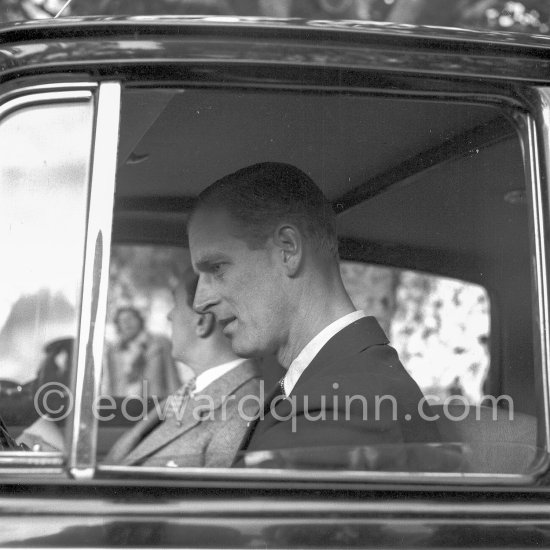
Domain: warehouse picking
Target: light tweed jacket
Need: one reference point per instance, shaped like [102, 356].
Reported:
[207, 430]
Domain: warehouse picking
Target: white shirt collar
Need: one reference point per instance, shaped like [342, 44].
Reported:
[306, 356]
[204, 379]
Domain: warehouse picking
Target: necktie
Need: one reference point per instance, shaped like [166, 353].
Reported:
[179, 400]
[277, 391]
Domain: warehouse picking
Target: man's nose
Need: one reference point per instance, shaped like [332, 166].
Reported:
[204, 297]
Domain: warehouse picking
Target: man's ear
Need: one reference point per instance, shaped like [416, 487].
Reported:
[206, 324]
[289, 240]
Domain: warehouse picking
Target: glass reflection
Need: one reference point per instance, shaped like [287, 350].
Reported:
[43, 189]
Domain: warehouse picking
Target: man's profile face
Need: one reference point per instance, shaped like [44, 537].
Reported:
[242, 287]
[183, 320]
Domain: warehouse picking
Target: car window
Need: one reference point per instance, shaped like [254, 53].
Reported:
[440, 326]
[44, 171]
[431, 199]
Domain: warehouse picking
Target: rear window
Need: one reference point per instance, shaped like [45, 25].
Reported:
[440, 326]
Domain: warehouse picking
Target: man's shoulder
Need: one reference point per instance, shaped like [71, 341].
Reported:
[352, 340]
[352, 350]
[376, 369]
[244, 377]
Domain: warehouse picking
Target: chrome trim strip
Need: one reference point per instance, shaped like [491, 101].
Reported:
[319, 476]
[538, 156]
[82, 457]
[26, 458]
[16, 90]
[202, 509]
[25, 472]
[40, 98]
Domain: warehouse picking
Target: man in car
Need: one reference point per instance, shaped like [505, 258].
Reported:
[201, 425]
[264, 244]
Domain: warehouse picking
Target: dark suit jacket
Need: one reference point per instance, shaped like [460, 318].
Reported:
[355, 392]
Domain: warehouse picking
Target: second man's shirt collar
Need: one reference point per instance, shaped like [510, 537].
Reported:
[204, 379]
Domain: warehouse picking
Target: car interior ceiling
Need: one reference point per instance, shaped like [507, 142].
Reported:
[431, 185]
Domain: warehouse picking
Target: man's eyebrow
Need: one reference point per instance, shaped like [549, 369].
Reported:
[206, 261]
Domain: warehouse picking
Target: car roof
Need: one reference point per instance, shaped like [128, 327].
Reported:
[386, 30]
[70, 43]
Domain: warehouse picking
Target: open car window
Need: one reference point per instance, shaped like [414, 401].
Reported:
[434, 192]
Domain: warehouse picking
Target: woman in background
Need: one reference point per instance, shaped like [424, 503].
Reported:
[138, 358]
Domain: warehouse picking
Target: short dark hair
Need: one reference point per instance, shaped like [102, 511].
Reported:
[260, 196]
[129, 309]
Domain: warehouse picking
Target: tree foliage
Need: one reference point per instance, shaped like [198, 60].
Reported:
[526, 16]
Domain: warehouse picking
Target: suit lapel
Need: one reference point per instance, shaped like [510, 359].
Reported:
[351, 340]
[132, 437]
[253, 424]
[197, 408]
[170, 427]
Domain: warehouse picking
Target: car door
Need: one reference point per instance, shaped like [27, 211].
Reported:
[434, 161]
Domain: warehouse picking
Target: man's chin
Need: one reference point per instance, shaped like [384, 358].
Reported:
[242, 349]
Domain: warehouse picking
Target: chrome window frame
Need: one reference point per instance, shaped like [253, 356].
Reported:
[82, 438]
[537, 130]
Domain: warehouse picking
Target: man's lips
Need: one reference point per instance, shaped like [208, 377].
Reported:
[225, 323]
